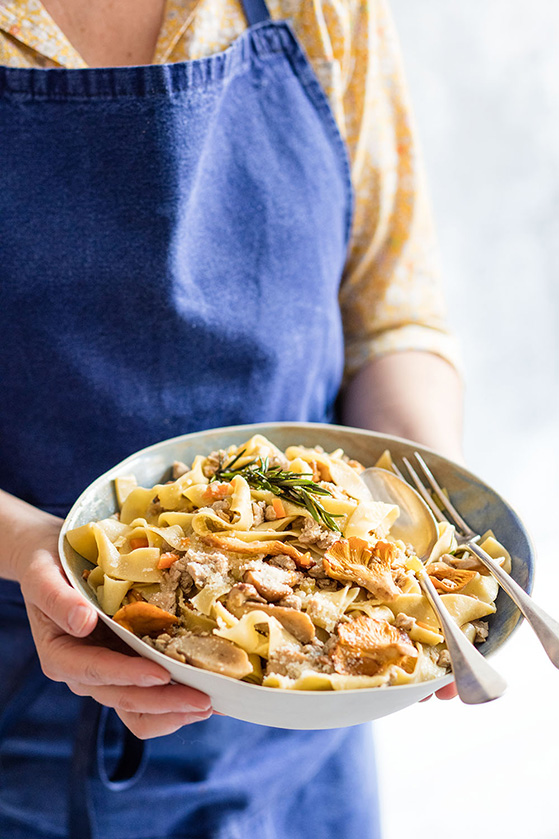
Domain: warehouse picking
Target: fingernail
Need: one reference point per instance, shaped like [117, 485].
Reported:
[202, 704]
[78, 618]
[153, 681]
[199, 716]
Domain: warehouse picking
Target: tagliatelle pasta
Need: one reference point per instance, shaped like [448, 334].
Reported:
[278, 568]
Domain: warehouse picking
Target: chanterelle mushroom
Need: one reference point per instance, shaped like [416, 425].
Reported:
[355, 561]
[367, 646]
[447, 579]
[211, 653]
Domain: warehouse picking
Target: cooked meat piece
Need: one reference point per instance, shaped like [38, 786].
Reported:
[405, 622]
[317, 572]
[210, 652]
[482, 631]
[444, 659]
[213, 462]
[291, 662]
[159, 643]
[353, 560]
[222, 508]
[367, 646]
[258, 508]
[179, 469]
[314, 534]
[292, 601]
[269, 513]
[199, 573]
[166, 597]
[284, 562]
[327, 585]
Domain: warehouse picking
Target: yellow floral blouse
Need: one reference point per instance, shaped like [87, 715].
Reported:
[390, 297]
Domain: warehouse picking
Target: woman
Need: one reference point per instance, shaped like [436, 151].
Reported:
[180, 201]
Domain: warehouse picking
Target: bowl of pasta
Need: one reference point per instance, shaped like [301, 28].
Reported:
[253, 564]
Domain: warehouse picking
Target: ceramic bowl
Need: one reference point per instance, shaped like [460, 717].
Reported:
[480, 505]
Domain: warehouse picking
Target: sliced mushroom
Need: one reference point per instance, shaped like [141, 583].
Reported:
[238, 596]
[239, 602]
[367, 646]
[211, 653]
[270, 582]
[353, 560]
[297, 623]
[143, 618]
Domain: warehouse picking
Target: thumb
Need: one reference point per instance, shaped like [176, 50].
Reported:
[45, 586]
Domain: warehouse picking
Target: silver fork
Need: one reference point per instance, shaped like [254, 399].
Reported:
[545, 627]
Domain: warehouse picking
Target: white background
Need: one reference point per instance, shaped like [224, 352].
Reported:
[484, 82]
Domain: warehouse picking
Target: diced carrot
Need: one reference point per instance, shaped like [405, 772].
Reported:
[140, 542]
[166, 560]
[215, 491]
[279, 509]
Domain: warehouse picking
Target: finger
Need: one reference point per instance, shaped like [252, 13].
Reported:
[426, 699]
[45, 586]
[146, 726]
[171, 699]
[448, 692]
[66, 659]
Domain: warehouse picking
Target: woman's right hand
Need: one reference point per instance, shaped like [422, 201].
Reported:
[74, 648]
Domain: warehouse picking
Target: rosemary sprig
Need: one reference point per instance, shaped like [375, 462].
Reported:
[295, 487]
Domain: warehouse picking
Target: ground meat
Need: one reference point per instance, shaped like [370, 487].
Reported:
[258, 511]
[290, 602]
[405, 622]
[317, 572]
[314, 534]
[482, 631]
[285, 562]
[444, 659]
[269, 513]
[213, 462]
[292, 661]
[179, 469]
[159, 643]
[166, 597]
[222, 509]
[327, 585]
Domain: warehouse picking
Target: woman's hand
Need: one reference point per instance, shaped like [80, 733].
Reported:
[75, 649]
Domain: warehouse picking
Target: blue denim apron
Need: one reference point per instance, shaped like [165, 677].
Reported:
[172, 243]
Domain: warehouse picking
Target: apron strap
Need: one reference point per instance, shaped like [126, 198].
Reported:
[256, 11]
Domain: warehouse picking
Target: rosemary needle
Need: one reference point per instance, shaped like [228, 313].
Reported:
[295, 487]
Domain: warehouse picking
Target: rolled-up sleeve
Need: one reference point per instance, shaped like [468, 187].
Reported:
[391, 295]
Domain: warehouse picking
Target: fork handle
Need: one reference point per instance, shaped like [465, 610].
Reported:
[476, 681]
[545, 627]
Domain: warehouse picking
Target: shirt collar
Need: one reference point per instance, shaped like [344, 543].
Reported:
[29, 22]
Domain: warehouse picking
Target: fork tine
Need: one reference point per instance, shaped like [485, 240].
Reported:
[397, 471]
[451, 510]
[422, 491]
